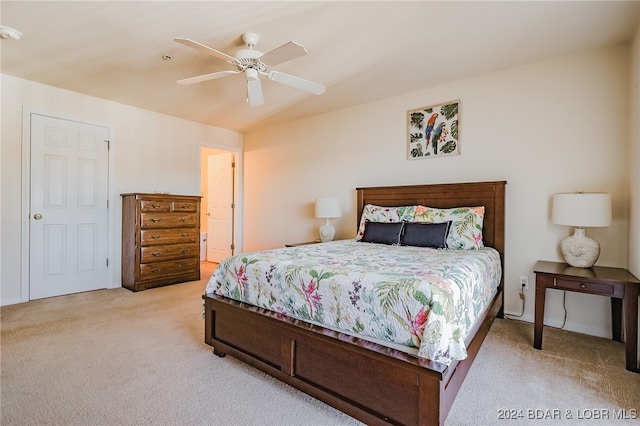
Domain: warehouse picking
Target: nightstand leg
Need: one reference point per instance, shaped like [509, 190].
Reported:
[541, 290]
[616, 319]
[631, 326]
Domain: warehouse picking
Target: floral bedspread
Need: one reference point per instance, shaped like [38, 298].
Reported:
[413, 296]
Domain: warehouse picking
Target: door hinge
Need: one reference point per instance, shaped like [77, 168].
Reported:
[107, 261]
[233, 205]
[108, 144]
[107, 203]
[233, 164]
[233, 247]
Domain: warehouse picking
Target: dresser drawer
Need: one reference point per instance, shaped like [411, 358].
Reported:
[588, 287]
[155, 206]
[168, 220]
[168, 252]
[151, 271]
[155, 237]
[184, 206]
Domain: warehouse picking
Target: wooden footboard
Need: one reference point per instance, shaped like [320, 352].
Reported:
[372, 383]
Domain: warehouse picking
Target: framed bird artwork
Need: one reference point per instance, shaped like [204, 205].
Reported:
[433, 131]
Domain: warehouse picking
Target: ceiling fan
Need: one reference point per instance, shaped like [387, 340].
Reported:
[253, 64]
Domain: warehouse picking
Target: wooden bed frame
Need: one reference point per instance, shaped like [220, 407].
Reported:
[373, 383]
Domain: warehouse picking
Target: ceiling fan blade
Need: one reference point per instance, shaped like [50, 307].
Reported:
[284, 53]
[254, 92]
[297, 82]
[206, 49]
[205, 77]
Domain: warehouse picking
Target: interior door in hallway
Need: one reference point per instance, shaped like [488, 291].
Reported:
[68, 243]
[220, 207]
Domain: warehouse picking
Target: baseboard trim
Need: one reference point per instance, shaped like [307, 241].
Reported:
[10, 301]
[568, 326]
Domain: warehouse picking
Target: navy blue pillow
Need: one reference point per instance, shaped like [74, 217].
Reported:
[421, 234]
[382, 232]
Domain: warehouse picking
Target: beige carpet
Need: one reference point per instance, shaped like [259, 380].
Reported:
[113, 357]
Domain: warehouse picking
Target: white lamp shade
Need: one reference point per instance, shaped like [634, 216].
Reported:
[581, 209]
[328, 207]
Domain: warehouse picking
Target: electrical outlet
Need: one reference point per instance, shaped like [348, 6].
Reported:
[523, 281]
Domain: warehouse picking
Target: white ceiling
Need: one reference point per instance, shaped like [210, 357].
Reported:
[361, 51]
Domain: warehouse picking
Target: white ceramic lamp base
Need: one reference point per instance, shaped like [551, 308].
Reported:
[579, 250]
[327, 232]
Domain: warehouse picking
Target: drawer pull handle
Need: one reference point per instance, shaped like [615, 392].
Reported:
[583, 285]
[155, 206]
[184, 234]
[156, 253]
[185, 251]
[184, 219]
[156, 270]
[184, 206]
[155, 220]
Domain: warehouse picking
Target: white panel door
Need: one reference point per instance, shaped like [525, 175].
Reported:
[68, 207]
[220, 207]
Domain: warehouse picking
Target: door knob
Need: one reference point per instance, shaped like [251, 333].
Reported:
[37, 216]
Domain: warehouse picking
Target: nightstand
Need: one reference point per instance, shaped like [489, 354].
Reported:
[302, 244]
[617, 283]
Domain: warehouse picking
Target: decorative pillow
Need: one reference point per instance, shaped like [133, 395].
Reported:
[465, 231]
[424, 234]
[382, 232]
[373, 213]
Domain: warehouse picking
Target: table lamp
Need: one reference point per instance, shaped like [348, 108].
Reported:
[327, 208]
[581, 210]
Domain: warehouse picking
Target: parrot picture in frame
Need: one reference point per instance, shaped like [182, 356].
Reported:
[433, 131]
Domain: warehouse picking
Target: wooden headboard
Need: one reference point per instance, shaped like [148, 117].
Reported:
[491, 195]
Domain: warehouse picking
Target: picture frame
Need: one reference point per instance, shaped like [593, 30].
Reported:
[433, 131]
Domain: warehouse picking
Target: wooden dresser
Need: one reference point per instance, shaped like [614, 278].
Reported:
[160, 240]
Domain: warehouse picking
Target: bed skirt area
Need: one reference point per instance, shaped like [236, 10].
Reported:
[370, 382]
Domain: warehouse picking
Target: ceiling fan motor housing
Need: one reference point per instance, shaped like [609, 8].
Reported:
[249, 58]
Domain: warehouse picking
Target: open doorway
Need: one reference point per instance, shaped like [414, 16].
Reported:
[220, 188]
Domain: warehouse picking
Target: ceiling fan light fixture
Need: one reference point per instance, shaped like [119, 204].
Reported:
[251, 74]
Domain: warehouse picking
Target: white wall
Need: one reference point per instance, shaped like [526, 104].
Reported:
[149, 152]
[634, 160]
[553, 126]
